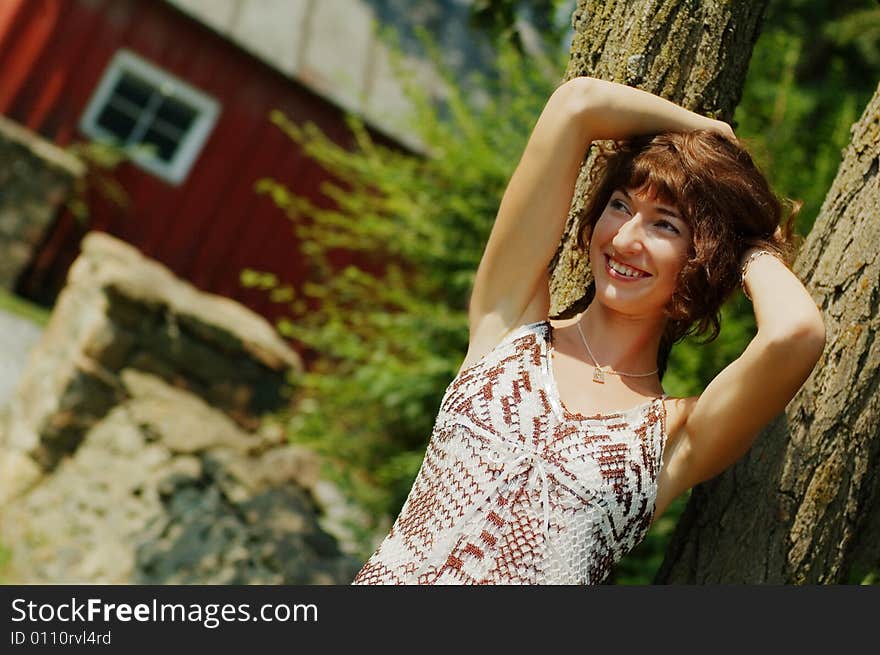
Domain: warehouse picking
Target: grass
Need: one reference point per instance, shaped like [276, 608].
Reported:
[11, 303]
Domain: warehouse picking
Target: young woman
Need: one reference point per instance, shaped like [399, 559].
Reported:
[555, 448]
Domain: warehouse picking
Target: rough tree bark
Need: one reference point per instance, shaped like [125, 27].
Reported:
[693, 52]
[803, 505]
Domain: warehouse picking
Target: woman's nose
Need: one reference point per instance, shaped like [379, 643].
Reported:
[629, 235]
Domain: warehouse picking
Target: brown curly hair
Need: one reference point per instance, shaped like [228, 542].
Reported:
[722, 195]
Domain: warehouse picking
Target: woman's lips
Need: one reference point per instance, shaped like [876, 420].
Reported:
[623, 278]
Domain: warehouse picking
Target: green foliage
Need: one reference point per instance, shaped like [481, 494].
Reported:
[499, 18]
[100, 159]
[812, 72]
[693, 364]
[863, 576]
[391, 330]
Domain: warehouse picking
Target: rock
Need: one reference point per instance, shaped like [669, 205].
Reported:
[135, 450]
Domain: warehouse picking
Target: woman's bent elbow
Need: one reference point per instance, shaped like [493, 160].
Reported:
[580, 93]
[808, 340]
[803, 341]
[814, 335]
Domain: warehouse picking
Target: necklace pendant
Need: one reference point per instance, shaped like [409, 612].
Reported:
[598, 375]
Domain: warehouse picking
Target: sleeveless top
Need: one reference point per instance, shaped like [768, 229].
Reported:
[516, 489]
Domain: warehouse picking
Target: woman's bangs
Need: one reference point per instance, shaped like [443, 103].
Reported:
[661, 181]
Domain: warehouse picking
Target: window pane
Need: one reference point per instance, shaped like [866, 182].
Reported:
[134, 89]
[162, 147]
[170, 131]
[177, 114]
[116, 122]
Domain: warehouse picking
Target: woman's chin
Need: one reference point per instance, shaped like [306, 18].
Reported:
[630, 301]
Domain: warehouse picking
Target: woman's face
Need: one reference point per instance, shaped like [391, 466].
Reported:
[637, 249]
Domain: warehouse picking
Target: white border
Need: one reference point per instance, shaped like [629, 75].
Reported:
[207, 108]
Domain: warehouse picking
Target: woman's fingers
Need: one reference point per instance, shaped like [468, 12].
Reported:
[725, 130]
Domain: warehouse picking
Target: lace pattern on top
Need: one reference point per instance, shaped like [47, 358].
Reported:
[516, 489]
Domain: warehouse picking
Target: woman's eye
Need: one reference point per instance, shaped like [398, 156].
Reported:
[666, 225]
[618, 204]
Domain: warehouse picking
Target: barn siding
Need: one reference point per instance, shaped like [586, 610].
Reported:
[53, 53]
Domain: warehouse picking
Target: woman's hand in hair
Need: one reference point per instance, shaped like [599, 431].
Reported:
[722, 128]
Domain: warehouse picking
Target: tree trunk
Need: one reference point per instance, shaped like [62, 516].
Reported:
[803, 505]
[694, 53]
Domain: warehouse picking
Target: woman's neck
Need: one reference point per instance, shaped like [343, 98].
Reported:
[621, 342]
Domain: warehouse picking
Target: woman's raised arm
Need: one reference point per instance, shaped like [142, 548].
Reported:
[617, 111]
[532, 212]
[724, 420]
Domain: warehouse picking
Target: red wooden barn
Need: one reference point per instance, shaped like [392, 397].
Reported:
[193, 84]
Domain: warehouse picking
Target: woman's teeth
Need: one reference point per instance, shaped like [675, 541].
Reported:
[625, 270]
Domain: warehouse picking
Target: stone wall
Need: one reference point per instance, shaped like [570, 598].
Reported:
[134, 451]
[36, 177]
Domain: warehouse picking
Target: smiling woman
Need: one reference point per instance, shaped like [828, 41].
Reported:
[702, 203]
[555, 447]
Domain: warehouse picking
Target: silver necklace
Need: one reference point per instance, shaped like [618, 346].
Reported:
[598, 372]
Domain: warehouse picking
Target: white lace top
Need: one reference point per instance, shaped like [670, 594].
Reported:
[516, 489]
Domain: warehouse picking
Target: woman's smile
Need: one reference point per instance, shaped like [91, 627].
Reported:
[620, 271]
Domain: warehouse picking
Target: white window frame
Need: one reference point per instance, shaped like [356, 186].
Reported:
[206, 107]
